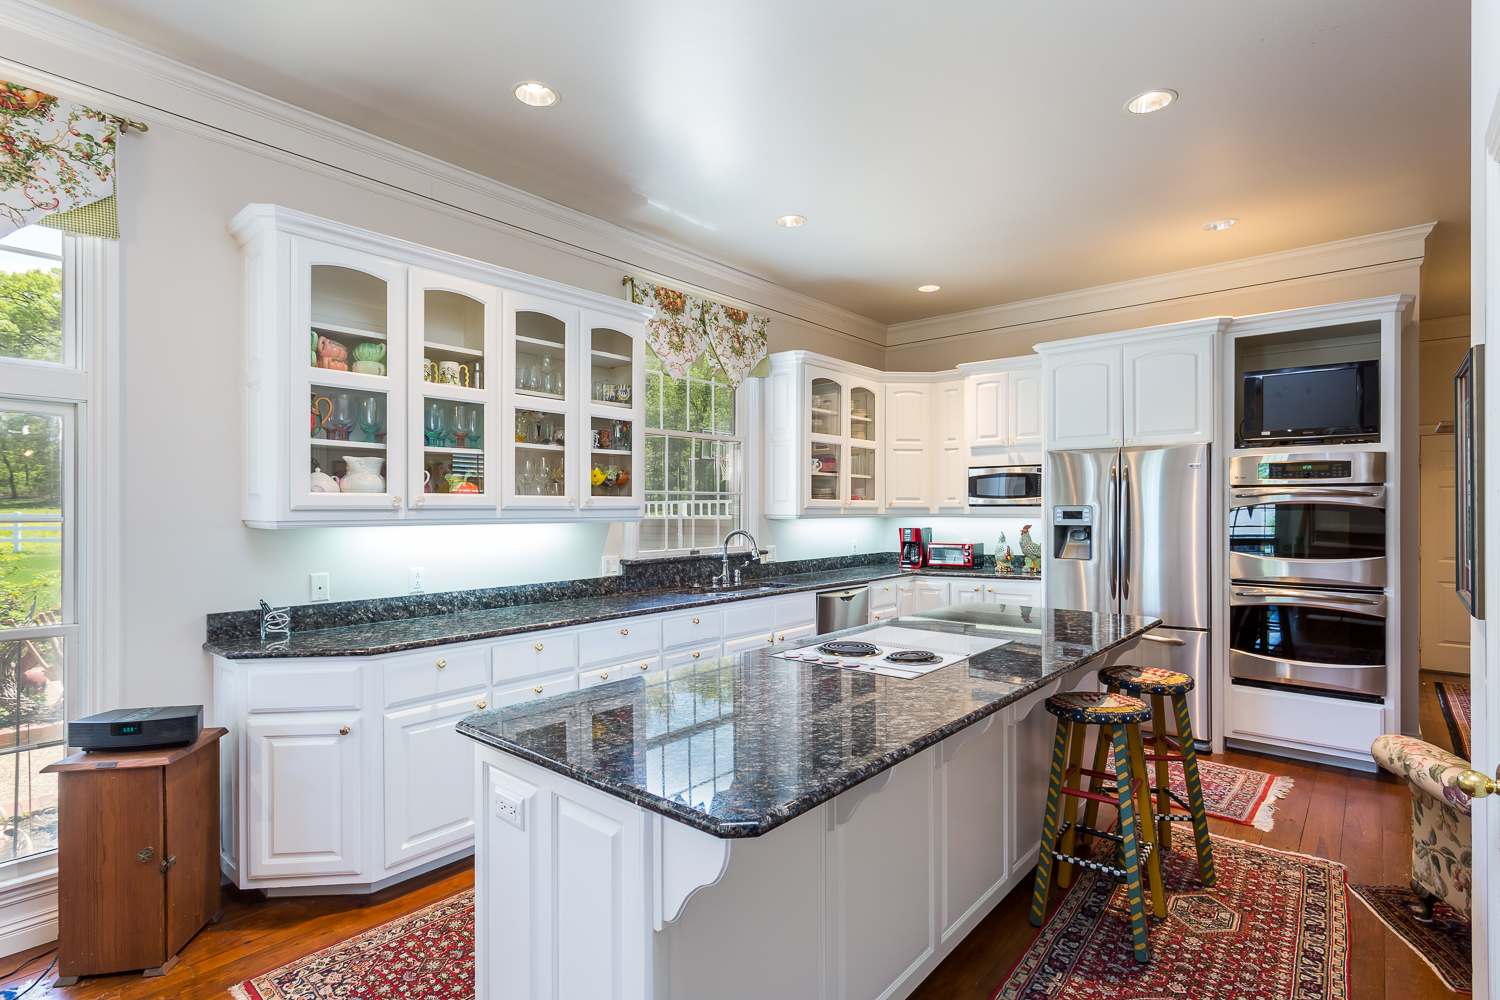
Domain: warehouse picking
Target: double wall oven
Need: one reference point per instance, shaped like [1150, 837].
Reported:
[1307, 565]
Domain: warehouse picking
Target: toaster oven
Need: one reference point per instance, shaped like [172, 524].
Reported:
[954, 555]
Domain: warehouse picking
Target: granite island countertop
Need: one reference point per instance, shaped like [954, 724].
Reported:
[373, 638]
[737, 746]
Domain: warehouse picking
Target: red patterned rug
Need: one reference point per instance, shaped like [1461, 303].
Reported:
[1453, 699]
[1275, 926]
[1445, 944]
[1236, 794]
[426, 955]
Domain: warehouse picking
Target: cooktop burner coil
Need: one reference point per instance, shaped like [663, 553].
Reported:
[846, 647]
[913, 656]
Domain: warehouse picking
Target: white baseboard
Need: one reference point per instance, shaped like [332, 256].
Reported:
[28, 911]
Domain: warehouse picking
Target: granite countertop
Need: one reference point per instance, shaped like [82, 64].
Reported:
[738, 746]
[371, 638]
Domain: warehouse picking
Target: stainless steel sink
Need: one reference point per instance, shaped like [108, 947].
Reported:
[744, 588]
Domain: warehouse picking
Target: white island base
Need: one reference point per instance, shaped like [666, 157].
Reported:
[582, 895]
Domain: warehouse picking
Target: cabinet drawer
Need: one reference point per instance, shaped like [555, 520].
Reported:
[435, 673]
[603, 675]
[749, 618]
[705, 653]
[794, 634]
[690, 629]
[537, 653]
[1306, 720]
[794, 611]
[534, 692]
[1016, 592]
[334, 687]
[883, 595]
[747, 643]
[619, 641]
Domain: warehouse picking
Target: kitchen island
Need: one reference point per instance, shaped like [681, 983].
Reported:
[755, 826]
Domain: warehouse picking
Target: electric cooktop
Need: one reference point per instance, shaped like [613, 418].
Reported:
[893, 651]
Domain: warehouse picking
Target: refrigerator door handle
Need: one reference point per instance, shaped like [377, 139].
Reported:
[1125, 532]
[1114, 548]
[1164, 640]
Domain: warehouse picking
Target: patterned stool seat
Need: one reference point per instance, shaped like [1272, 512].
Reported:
[1098, 708]
[1145, 680]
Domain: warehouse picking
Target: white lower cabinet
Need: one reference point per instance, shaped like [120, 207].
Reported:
[965, 592]
[305, 783]
[928, 595]
[745, 644]
[429, 779]
[1025, 593]
[695, 654]
[534, 690]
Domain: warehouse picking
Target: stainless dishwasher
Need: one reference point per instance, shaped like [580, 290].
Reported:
[841, 609]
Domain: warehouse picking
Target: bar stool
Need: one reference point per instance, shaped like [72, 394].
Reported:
[1123, 715]
[1156, 683]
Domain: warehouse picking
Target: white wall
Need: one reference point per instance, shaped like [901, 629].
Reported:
[813, 538]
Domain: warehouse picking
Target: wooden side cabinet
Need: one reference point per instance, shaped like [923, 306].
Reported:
[138, 856]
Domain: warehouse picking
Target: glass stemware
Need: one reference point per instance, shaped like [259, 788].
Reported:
[474, 426]
[549, 375]
[460, 425]
[436, 427]
[369, 417]
[340, 418]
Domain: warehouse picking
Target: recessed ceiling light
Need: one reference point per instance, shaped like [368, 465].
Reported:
[928, 288]
[1151, 100]
[538, 95]
[1217, 224]
[790, 221]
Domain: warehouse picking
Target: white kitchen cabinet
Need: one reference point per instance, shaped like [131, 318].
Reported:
[533, 690]
[382, 377]
[595, 676]
[950, 486]
[1022, 593]
[306, 802]
[1141, 387]
[908, 448]
[930, 594]
[429, 792]
[1002, 411]
[964, 592]
[701, 653]
[823, 426]
[612, 441]
[883, 594]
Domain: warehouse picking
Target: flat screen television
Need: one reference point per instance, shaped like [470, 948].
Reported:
[1318, 403]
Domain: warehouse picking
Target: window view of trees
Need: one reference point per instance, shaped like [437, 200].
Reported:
[692, 460]
[31, 295]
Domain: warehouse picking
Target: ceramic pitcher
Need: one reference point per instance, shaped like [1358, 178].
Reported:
[364, 475]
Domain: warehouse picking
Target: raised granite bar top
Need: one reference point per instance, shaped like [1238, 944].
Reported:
[371, 638]
[740, 745]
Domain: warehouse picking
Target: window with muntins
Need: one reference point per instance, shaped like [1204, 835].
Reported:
[694, 460]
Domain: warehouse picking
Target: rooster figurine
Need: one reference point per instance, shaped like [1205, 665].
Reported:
[1031, 550]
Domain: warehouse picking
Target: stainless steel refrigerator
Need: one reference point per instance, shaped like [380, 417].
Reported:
[1129, 535]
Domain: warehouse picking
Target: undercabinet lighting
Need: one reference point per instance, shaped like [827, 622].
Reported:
[1151, 100]
[790, 221]
[1218, 224]
[928, 288]
[537, 95]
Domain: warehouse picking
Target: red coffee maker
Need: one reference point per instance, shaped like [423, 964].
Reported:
[914, 542]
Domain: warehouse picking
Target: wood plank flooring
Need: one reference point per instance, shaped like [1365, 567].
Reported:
[1358, 819]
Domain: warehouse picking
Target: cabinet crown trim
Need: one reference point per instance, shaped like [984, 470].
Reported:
[1190, 328]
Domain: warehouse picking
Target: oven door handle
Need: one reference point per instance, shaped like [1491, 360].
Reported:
[1293, 492]
[1310, 598]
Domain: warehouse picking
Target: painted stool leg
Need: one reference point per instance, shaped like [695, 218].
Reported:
[1101, 759]
[1201, 838]
[1049, 826]
[1160, 748]
[1070, 802]
[1128, 830]
[1147, 821]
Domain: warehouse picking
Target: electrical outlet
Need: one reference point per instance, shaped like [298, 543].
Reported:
[319, 582]
[609, 566]
[417, 580]
[853, 546]
[508, 807]
[770, 554]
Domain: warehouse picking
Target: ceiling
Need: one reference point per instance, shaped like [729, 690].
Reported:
[978, 145]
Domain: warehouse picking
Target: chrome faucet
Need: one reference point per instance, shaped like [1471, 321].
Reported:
[722, 580]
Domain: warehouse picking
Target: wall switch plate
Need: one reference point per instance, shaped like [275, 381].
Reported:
[853, 546]
[769, 555]
[609, 566]
[508, 807]
[417, 580]
[319, 583]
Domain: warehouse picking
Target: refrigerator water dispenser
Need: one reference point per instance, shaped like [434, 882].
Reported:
[1073, 532]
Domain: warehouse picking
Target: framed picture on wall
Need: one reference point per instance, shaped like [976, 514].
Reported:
[1468, 409]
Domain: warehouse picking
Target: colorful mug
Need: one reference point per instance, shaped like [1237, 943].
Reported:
[429, 370]
[453, 373]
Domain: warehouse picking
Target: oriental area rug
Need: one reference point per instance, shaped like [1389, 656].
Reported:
[426, 955]
[1236, 794]
[1443, 944]
[1453, 699]
[1275, 926]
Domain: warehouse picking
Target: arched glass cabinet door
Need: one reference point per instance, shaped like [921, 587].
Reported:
[827, 399]
[613, 369]
[542, 410]
[863, 447]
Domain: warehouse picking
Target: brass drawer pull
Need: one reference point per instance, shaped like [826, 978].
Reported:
[624, 631]
[604, 675]
[479, 705]
[442, 664]
[695, 621]
[696, 655]
[645, 666]
[538, 647]
[343, 730]
[537, 689]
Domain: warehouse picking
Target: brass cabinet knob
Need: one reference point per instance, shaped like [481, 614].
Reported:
[343, 730]
[604, 675]
[1476, 785]
[395, 501]
[645, 666]
[479, 705]
[144, 854]
[441, 664]
[877, 614]
[624, 631]
[976, 590]
[770, 638]
[695, 621]
[696, 655]
[537, 689]
[538, 647]
[781, 638]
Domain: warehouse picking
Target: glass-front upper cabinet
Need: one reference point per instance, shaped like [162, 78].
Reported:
[349, 452]
[863, 448]
[843, 451]
[454, 341]
[614, 365]
[542, 412]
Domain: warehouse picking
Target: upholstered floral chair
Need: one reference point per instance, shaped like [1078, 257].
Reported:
[1442, 863]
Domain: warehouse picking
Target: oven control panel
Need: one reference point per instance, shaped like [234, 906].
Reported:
[1304, 470]
[1324, 468]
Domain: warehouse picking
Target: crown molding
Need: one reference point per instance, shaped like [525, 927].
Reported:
[1374, 250]
[86, 62]
[1188, 328]
[1325, 315]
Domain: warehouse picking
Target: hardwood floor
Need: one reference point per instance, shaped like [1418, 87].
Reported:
[1358, 819]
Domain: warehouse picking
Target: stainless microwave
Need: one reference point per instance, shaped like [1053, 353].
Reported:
[1005, 486]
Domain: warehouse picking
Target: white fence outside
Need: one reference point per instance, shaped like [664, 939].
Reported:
[15, 532]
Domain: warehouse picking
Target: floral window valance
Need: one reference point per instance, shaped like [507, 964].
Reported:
[684, 327]
[57, 164]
